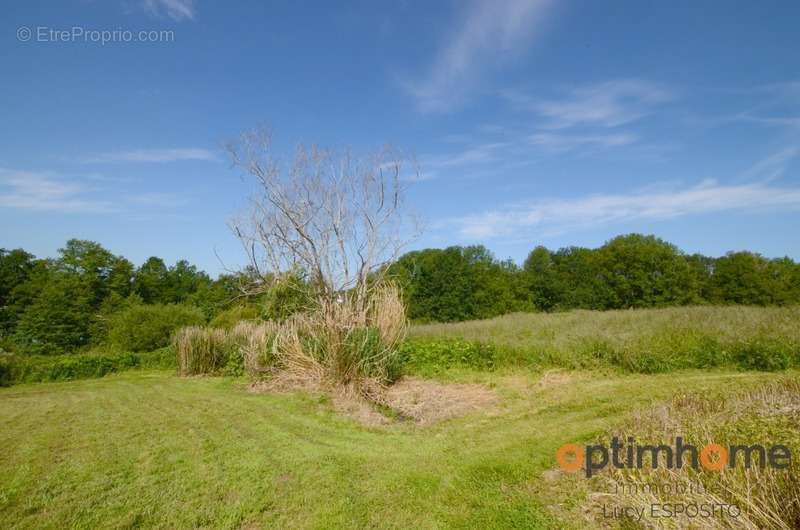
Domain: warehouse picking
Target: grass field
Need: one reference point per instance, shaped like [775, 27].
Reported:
[642, 340]
[149, 449]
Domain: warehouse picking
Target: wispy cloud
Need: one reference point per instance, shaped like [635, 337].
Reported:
[772, 167]
[557, 142]
[790, 121]
[481, 153]
[43, 191]
[152, 155]
[28, 190]
[175, 9]
[607, 104]
[158, 199]
[561, 215]
[489, 31]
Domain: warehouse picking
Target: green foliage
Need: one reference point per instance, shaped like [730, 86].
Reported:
[767, 354]
[637, 341]
[156, 283]
[431, 356]
[16, 369]
[228, 318]
[630, 271]
[644, 271]
[149, 327]
[458, 283]
[748, 278]
[15, 269]
[57, 320]
[287, 296]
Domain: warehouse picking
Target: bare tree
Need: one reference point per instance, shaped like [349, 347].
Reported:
[337, 218]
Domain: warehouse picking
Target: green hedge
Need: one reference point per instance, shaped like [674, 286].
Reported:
[16, 369]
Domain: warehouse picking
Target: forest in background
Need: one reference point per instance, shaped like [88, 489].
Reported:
[88, 297]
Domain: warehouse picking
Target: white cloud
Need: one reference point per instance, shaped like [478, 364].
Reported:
[489, 32]
[42, 191]
[568, 142]
[476, 154]
[175, 9]
[772, 167]
[607, 104]
[28, 190]
[158, 199]
[560, 215]
[152, 155]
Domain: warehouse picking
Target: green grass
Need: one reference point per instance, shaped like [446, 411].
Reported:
[15, 369]
[643, 340]
[149, 449]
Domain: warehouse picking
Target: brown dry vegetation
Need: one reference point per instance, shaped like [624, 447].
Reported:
[767, 498]
[344, 345]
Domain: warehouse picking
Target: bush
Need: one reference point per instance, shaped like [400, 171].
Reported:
[766, 354]
[230, 317]
[431, 356]
[5, 370]
[41, 368]
[149, 327]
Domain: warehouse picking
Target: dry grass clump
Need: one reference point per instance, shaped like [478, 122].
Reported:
[343, 344]
[204, 350]
[200, 350]
[765, 497]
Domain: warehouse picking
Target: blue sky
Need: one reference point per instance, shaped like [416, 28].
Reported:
[533, 122]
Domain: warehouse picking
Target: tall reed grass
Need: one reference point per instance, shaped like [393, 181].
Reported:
[340, 343]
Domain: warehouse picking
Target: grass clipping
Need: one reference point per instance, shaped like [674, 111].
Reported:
[345, 346]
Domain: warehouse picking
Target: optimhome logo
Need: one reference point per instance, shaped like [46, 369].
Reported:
[712, 456]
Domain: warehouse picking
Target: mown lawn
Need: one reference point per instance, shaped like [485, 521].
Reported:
[149, 449]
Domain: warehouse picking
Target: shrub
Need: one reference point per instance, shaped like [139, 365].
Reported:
[765, 354]
[230, 317]
[160, 359]
[40, 368]
[5, 370]
[431, 356]
[149, 327]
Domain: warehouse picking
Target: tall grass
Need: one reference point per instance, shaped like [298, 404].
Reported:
[767, 498]
[342, 343]
[642, 340]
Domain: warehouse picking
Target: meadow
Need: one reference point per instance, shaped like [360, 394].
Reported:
[148, 449]
[636, 340]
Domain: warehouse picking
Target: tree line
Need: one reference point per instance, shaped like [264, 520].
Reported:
[628, 271]
[87, 296]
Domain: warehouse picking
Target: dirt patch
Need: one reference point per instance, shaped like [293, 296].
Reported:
[361, 410]
[426, 402]
[419, 401]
